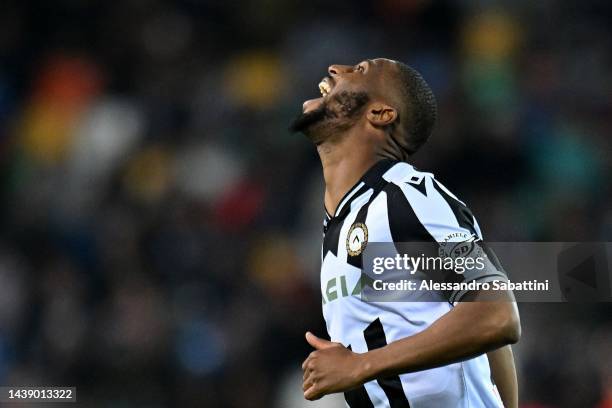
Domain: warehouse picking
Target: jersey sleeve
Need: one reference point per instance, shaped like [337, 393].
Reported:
[421, 209]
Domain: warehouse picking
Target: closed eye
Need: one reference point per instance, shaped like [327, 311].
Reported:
[360, 68]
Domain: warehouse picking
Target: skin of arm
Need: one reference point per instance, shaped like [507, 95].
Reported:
[466, 331]
[503, 371]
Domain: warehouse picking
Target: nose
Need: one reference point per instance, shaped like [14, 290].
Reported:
[339, 69]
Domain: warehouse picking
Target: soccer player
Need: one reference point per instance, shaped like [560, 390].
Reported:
[370, 119]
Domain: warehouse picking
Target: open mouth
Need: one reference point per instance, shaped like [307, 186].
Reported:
[325, 86]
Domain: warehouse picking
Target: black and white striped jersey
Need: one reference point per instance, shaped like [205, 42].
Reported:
[393, 202]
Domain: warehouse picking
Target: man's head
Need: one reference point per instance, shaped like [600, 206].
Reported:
[383, 96]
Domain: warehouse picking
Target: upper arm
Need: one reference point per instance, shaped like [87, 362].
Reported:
[499, 308]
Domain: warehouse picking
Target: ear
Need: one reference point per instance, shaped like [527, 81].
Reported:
[380, 115]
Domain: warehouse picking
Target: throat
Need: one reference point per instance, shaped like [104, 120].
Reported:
[342, 170]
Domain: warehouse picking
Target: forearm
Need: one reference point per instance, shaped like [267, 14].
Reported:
[470, 329]
[503, 372]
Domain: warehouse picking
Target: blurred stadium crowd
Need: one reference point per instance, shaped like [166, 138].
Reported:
[161, 227]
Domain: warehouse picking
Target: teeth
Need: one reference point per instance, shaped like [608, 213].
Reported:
[324, 88]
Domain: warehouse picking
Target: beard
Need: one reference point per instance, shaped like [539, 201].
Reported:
[331, 117]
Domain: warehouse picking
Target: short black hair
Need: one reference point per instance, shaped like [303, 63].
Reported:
[420, 108]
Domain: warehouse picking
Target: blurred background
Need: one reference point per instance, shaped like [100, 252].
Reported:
[160, 227]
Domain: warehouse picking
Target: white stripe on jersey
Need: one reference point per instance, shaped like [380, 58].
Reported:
[347, 197]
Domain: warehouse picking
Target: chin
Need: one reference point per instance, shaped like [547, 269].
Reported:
[314, 112]
[312, 105]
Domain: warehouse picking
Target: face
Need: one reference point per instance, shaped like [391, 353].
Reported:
[345, 92]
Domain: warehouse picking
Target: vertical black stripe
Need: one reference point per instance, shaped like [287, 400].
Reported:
[356, 261]
[403, 222]
[392, 386]
[358, 398]
[332, 235]
[334, 225]
[411, 237]
[464, 216]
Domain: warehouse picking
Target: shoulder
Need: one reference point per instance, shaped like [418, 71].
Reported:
[408, 179]
[407, 184]
[420, 207]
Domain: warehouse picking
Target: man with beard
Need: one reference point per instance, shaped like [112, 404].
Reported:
[370, 119]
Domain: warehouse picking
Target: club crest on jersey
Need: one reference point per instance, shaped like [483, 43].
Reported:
[356, 239]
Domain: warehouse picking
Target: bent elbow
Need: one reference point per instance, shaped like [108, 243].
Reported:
[504, 328]
[509, 329]
[512, 332]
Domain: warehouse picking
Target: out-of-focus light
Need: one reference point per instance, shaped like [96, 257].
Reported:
[199, 347]
[63, 90]
[274, 264]
[149, 174]
[255, 79]
[491, 35]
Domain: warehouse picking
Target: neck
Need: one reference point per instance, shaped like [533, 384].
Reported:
[344, 163]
